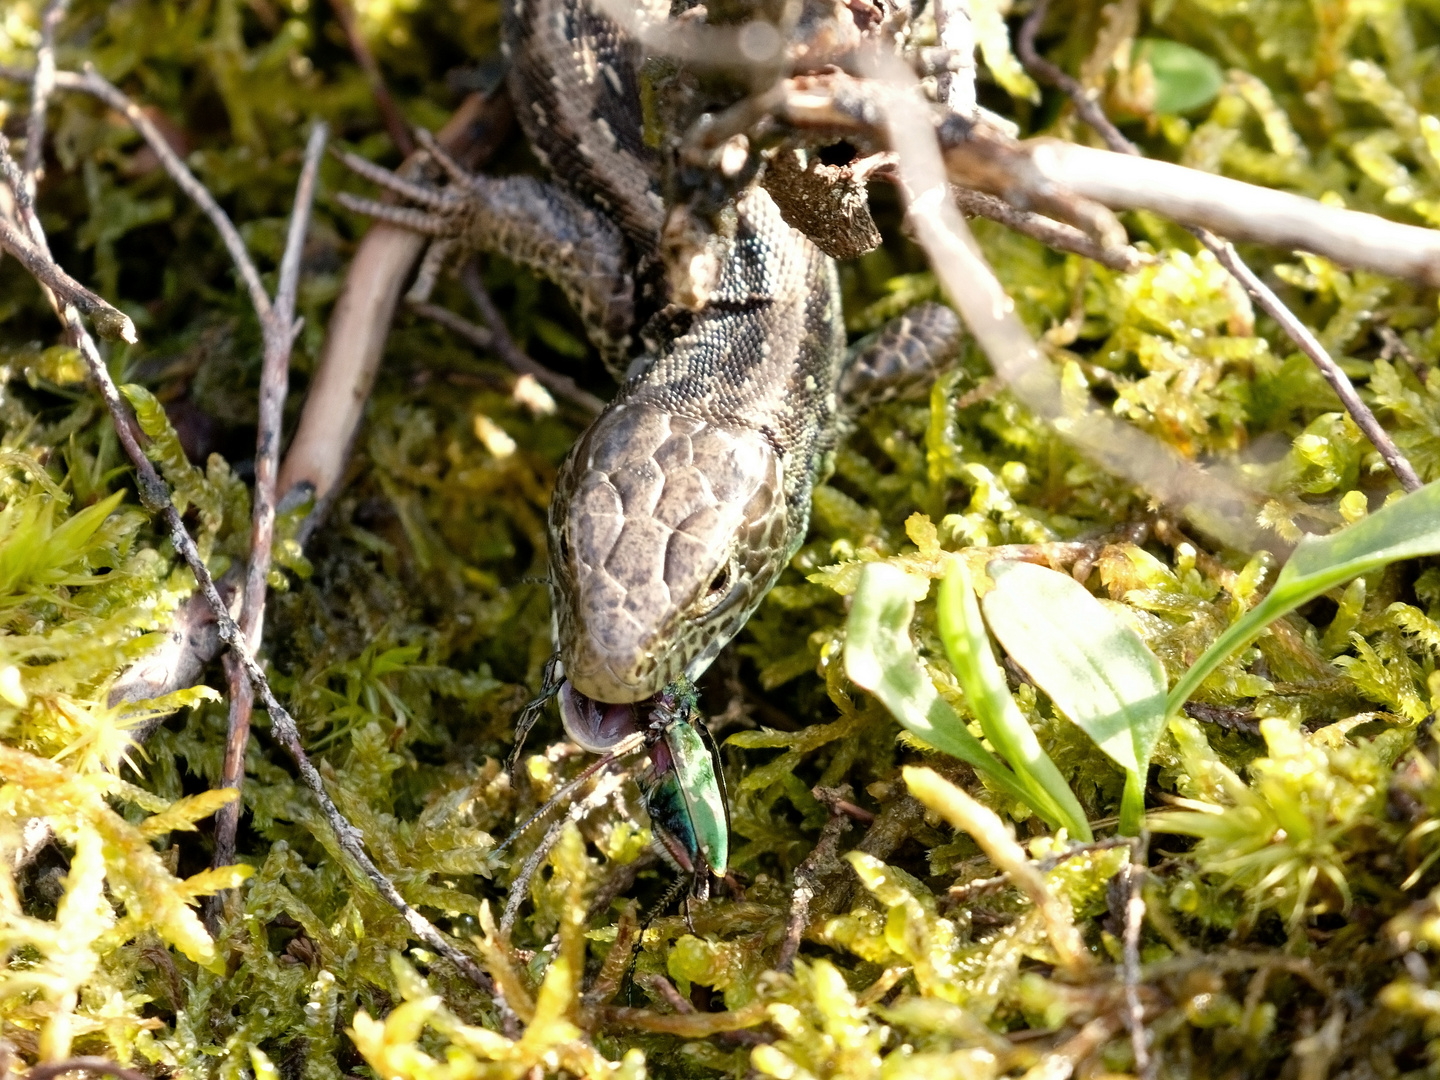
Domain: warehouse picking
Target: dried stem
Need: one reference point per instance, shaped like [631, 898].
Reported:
[958, 894]
[1082, 185]
[33, 164]
[279, 330]
[360, 322]
[663, 988]
[514, 358]
[1224, 507]
[838, 800]
[1051, 233]
[109, 321]
[395, 125]
[1134, 919]
[955, 28]
[155, 497]
[503, 345]
[807, 878]
[93, 83]
[1226, 255]
[607, 785]
[339, 388]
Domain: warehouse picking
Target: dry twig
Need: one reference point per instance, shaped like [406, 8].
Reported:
[958, 894]
[109, 322]
[360, 323]
[955, 28]
[33, 165]
[1134, 1014]
[1224, 507]
[1051, 233]
[315, 462]
[279, 328]
[395, 125]
[807, 879]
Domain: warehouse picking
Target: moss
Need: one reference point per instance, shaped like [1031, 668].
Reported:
[1295, 925]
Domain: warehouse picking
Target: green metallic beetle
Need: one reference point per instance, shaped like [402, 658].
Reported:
[684, 789]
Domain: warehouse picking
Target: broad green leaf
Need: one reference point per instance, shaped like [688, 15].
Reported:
[968, 647]
[1185, 79]
[881, 658]
[1405, 529]
[1092, 663]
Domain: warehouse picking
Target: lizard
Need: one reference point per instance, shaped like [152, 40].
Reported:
[678, 508]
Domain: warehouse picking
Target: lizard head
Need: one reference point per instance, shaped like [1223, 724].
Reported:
[666, 531]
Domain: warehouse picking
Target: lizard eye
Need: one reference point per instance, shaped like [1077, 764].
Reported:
[720, 587]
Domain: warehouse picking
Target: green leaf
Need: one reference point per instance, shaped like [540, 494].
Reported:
[968, 647]
[1185, 79]
[881, 658]
[1092, 664]
[1406, 528]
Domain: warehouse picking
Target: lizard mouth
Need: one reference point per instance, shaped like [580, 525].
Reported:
[595, 725]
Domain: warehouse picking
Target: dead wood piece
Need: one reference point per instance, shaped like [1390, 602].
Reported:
[828, 203]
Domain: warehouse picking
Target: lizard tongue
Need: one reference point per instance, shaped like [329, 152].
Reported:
[594, 725]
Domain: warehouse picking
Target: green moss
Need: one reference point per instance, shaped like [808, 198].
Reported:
[1296, 925]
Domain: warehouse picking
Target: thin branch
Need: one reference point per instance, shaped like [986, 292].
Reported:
[1082, 185]
[958, 894]
[501, 343]
[609, 782]
[93, 83]
[1310, 345]
[514, 358]
[34, 163]
[155, 497]
[838, 800]
[279, 329]
[1225, 254]
[1224, 507]
[109, 321]
[360, 322]
[1051, 233]
[1134, 1014]
[315, 462]
[662, 987]
[395, 125]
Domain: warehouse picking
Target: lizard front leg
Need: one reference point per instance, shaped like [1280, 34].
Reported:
[901, 359]
[538, 225]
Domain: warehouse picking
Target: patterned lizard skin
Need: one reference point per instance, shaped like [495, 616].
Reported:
[677, 509]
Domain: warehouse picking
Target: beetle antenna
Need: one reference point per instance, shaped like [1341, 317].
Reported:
[624, 748]
[520, 884]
